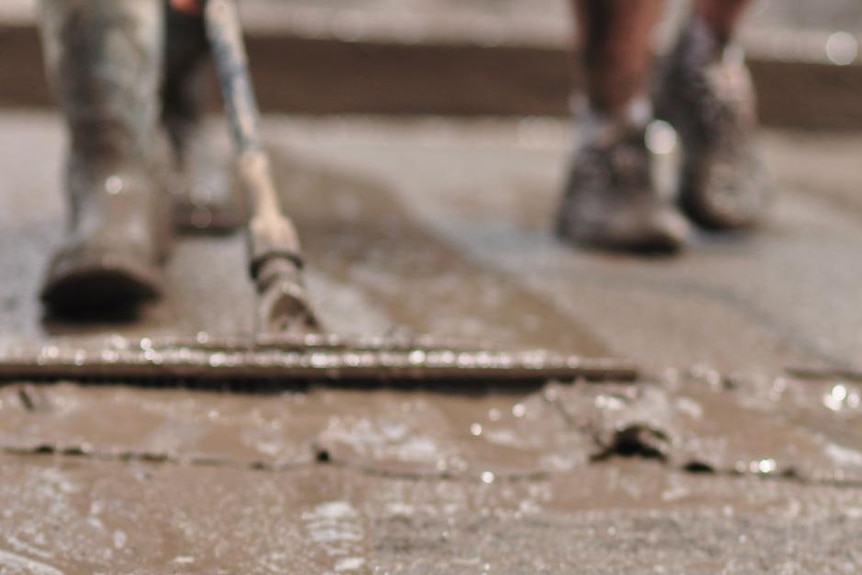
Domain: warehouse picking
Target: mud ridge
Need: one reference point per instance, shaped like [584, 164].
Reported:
[697, 422]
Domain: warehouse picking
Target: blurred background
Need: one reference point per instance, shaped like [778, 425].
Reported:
[486, 57]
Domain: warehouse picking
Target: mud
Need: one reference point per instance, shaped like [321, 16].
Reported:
[358, 230]
[780, 428]
[736, 468]
[693, 474]
[623, 518]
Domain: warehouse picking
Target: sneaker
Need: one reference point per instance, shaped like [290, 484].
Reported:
[611, 200]
[705, 92]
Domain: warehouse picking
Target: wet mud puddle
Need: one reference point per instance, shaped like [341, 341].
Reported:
[696, 420]
[367, 481]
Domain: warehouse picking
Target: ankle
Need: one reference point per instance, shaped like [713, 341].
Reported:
[706, 44]
[603, 128]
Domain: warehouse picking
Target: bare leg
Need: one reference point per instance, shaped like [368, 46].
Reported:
[610, 200]
[614, 38]
[721, 16]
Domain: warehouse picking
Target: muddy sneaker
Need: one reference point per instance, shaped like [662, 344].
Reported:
[611, 200]
[705, 92]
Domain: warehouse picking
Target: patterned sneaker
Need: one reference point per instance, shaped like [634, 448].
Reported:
[705, 92]
[611, 200]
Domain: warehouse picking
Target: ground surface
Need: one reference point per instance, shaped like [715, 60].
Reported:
[719, 460]
[456, 215]
[442, 227]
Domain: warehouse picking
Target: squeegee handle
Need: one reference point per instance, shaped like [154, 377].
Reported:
[271, 233]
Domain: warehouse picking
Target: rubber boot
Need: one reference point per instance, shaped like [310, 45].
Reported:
[705, 91]
[611, 200]
[104, 58]
[204, 194]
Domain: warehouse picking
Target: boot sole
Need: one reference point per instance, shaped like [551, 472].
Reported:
[658, 246]
[95, 286]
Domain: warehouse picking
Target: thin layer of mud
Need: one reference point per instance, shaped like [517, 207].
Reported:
[147, 519]
[481, 439]
[696, 422]
[196, 427]
[410, 434]
[355, 229]
[830, 409]
[700, 422]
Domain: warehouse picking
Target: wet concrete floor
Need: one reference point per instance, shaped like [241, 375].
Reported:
[717, 461]
[457, 215]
